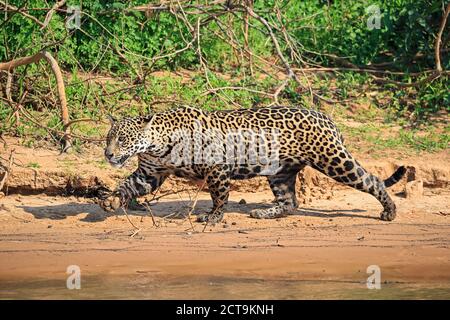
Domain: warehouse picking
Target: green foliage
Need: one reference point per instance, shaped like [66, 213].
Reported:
[407, 27]
[108, 30]
[403, 140]
[424, 101]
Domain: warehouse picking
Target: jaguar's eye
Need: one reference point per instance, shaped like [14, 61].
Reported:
[120, 140]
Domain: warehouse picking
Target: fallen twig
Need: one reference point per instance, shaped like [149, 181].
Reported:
[137, 230]
[194, 204]
[155, 224]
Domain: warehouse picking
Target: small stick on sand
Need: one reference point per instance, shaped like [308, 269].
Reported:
[149, 210]
[137, 230]
[194, 204]
[147, 206]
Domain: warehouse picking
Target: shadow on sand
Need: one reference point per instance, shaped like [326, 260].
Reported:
[173, 209]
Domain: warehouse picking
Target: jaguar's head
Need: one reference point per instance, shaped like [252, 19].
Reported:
[126, 138]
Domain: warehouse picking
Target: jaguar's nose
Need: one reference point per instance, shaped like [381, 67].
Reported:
[108, 154]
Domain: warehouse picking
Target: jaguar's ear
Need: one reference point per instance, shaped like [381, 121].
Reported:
[145, 121]
[111, 119]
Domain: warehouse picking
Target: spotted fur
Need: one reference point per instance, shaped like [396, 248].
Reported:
[306, 138]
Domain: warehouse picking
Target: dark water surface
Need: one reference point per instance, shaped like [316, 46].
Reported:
[142, 286]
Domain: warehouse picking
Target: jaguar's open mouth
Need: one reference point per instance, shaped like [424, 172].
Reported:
[118, 162]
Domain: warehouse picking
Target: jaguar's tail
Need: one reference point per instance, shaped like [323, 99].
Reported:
[398, 174]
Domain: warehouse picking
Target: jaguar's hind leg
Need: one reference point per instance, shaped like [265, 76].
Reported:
[283, 188]
[345, 169]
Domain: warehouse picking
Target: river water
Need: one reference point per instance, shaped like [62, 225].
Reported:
[142, 286]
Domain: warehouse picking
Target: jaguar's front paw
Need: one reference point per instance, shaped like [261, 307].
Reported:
[111, 203]
[210, 218]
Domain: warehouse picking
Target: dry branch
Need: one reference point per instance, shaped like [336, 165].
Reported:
[9, 81]
[280, 54]
[136, 229]
[27, 115]
[62, 97]
[194, 203]
[437, 50]
[7, 169]
[10, 65]
[19, 10]
[50, 13]
[249, 3]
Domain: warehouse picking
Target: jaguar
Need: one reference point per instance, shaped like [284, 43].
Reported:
[219, 146]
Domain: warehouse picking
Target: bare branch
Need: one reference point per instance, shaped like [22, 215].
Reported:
[7, 169]
[286, 64]
[8, 66]
[50, 13]
[437, 50]
[29, 16]
[62, 97]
